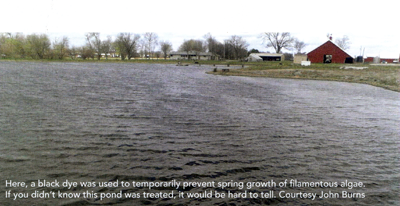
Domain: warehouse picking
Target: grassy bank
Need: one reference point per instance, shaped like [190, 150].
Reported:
[387, 77]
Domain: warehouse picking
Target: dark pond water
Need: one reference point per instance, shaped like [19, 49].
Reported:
[139, 122]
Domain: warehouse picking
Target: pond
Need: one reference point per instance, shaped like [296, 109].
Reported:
[108, 122]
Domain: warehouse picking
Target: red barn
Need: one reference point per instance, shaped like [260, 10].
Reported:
[329, 52]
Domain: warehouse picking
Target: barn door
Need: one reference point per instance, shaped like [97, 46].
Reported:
[328, 58]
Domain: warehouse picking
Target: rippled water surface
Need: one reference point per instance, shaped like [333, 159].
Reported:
[141, 122]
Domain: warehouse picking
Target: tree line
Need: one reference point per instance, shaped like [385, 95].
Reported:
[130, 45]
[39, 46]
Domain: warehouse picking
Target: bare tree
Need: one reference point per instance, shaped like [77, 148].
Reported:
[126, 43]
[157, 54]
[166, 47]
[343, 42]
[107, 46]
[212, 44]
[86, 52]
[220, 49]
[39, 45]
[239, 46]
[187, 46]
[141, 46]
[299, 45]
[94, 42]
[73, 52]
[151, 41]
[192, 46]
[277, 40]
[61, 47]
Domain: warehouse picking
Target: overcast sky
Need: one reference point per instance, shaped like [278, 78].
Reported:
[373, 25]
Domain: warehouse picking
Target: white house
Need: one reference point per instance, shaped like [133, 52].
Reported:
[190, 55]
[256, 57]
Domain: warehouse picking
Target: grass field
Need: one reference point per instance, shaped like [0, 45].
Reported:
[384, 76]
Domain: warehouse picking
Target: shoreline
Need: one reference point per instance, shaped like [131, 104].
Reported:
[385, 78]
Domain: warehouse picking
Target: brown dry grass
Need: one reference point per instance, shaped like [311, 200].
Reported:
[387, 77]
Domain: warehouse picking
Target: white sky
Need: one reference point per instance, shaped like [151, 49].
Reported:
[373, 25]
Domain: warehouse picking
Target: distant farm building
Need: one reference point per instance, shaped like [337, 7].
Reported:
[375, 60]
[380, 60]
[257, 57]
[298, 58]
[329, 52]
[190, 55]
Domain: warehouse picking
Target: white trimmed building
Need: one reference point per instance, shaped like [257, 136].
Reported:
[190, 55]
[258, 57]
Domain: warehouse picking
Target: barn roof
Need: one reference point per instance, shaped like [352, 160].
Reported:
[255, 56]
[191, 53]
[267, 54]
[333, 44]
